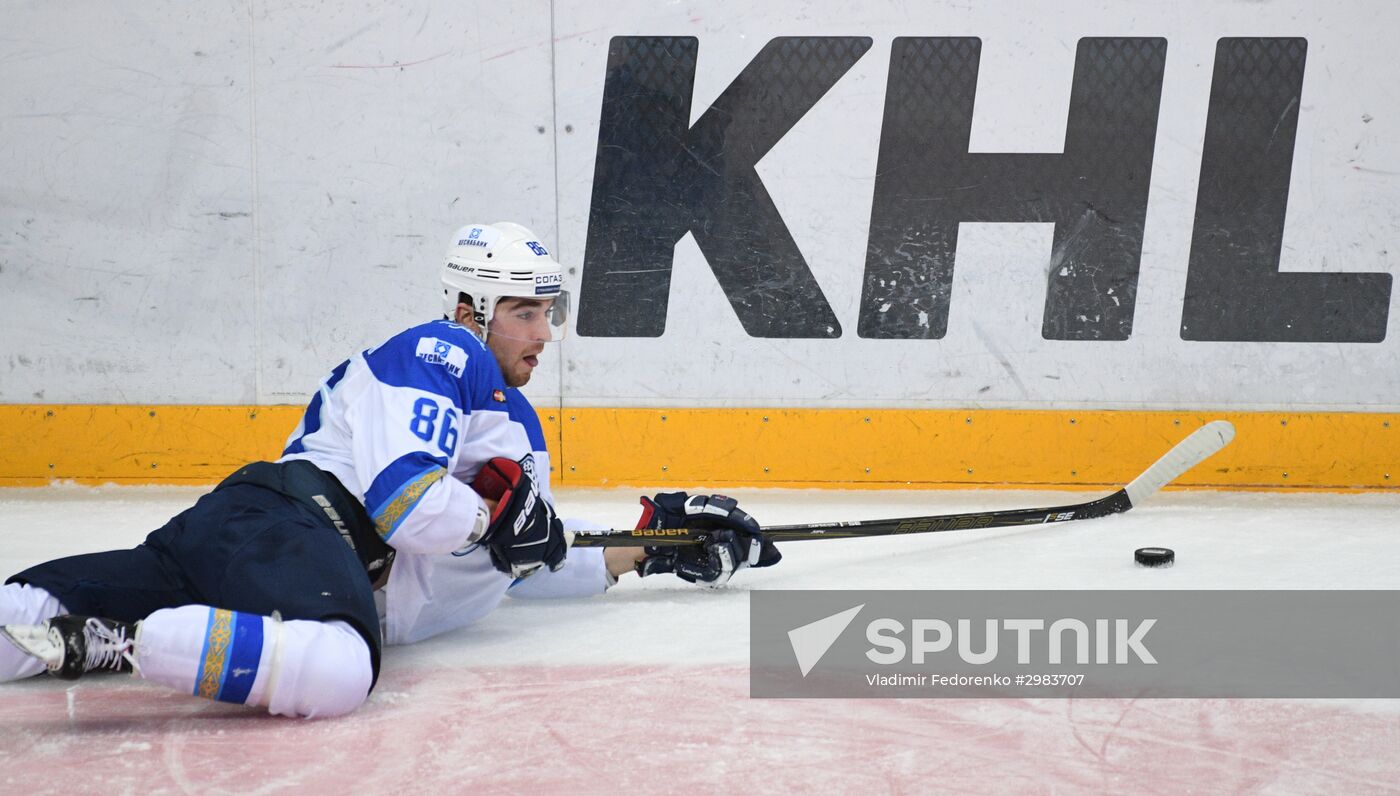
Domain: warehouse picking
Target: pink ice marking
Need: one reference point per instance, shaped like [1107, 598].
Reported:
[679, 728]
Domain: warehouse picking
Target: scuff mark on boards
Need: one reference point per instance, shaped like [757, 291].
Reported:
[394, 65]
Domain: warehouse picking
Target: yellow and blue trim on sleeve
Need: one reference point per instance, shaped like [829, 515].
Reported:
[394, 510]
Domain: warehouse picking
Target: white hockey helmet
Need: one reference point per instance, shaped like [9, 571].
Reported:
[490, 262]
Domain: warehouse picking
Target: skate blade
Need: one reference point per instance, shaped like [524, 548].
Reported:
[34, 640]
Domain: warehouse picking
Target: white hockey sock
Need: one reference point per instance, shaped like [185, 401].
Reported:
[23, 605]
[297, 668]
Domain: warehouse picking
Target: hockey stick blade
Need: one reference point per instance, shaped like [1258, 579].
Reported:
[1196, 448]
[1203, 443]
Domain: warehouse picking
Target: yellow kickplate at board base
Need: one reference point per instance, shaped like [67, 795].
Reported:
[726, 448]
[845, 448]
[123, 444]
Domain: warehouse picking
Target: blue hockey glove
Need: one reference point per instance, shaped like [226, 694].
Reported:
[524, 533]
[735, 541]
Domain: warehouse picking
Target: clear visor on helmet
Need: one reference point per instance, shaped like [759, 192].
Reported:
[543, 319]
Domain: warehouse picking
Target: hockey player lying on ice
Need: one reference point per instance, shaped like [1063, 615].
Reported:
[412, 497]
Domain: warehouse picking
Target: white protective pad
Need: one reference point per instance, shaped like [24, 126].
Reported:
[306, 669]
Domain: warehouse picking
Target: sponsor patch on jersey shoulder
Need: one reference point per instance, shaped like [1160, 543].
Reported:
[498, 396]
[440, 352]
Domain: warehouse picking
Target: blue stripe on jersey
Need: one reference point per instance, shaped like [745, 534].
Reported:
[311, 419]
[439, 358]
[243, 659]
[337, 374]
[398, 488]
[310, 424]
[519, 409]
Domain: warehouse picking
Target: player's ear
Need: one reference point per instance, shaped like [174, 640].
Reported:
[466, 317]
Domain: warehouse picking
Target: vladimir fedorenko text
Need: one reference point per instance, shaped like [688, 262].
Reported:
[954, 680]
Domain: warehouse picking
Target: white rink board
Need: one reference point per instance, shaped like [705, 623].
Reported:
[126, 204]
[1343, 208]
[366, 168]
[218, 204]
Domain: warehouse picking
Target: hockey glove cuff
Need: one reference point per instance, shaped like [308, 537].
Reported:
[524, 533]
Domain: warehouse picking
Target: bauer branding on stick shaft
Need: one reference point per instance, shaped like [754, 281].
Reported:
[1196, 448]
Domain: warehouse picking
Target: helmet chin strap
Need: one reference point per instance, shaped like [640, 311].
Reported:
[479, 314]
[482, 316]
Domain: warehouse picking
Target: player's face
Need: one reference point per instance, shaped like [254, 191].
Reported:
[518, 331]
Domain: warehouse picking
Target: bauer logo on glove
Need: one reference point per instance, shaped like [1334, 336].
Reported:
[524, 533]
[735, 539]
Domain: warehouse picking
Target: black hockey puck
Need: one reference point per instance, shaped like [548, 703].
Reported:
[1154, 556]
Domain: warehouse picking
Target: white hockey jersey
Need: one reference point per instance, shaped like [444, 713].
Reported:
[406, 427]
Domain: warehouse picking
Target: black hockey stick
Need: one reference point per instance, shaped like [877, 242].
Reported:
[1188, 453]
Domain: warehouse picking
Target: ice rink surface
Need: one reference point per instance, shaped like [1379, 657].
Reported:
[645, 689]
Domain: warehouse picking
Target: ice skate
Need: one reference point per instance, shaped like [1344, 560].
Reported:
[71, 646]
